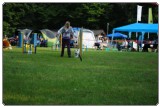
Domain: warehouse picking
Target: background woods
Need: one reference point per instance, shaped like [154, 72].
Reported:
[87, 15]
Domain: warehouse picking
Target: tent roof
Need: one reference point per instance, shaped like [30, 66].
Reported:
[26, 32]
[138, 27]
[84, 30]
[48, 33]
[117, 35]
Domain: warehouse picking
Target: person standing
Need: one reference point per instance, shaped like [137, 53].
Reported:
[66, 32]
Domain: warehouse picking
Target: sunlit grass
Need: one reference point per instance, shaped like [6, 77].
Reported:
[102, 78]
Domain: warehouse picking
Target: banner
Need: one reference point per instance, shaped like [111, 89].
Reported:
[139, 13]
[150, 17]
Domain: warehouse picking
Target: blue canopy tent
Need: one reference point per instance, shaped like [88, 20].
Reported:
[117, 35]
[137, 27]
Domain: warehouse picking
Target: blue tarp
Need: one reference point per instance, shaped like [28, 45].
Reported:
[76, 29]
[117, 35]
[138, 27]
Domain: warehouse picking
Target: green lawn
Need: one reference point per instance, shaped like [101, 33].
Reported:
[102, 78]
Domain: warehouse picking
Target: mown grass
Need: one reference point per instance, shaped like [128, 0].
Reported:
[102, 78]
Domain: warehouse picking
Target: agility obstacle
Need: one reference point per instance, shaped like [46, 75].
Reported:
[29, 44]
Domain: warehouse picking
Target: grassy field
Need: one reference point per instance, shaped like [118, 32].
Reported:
[102, 78]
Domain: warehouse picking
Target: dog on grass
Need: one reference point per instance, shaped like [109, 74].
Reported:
[76, 53]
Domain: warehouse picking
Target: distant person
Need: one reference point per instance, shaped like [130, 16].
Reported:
[16, 40]
[98, 41]
[6, 43]
[124, 44]
[6, 37]
[103, 34]
[104, 42]
[66, 32]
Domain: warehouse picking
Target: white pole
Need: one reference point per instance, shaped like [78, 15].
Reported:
[107, 28]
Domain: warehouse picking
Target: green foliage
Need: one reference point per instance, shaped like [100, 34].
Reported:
[6, 27]
[102, 78]
[94, 10]
[88, 15]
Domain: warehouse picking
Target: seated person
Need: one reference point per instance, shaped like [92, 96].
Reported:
[130, 45]
[97, 45]
[43, 43]
[124, 44]
[98, 42]
[104, 43]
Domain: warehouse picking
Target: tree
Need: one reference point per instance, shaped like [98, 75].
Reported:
[38, 16]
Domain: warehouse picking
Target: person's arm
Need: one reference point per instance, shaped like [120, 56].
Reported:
[59, 32]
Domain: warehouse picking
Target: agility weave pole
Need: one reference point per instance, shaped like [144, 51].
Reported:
[80, 43]
[30, 44]
[61, 42]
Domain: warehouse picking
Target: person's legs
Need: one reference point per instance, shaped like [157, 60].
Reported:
[118, 47]
[122, 47]
[68, 47]
[98, 46]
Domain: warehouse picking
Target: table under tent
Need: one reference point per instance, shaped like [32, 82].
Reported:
[139, 28]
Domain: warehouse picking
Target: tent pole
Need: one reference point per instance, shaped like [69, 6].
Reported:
[142, 38]
[107, 28]
[112, 37]
[136, 34]
[137, 41]
[130, 35]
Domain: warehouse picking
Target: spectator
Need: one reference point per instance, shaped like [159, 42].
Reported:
[124, 44]
[98, 41]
